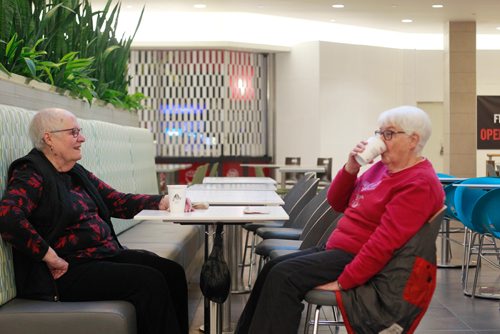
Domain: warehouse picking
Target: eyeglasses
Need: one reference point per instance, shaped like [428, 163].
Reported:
[387, 133]
[75, 132]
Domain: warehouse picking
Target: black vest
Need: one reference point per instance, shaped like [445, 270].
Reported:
[33, 278]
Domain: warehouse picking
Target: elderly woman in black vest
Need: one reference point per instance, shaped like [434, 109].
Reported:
[56, 214]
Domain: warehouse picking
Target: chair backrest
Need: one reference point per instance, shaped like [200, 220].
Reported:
[328, 231]
[449, 191]
[309, 175]
[486, 215]
[490, 168]
[259, 172]
[327, 175]
[298, 197]
[313, 235]
[199, 174]
[292, 161]
[295, 161]
[214, 170]
[311, 211]
[449, 201]
[465, 199]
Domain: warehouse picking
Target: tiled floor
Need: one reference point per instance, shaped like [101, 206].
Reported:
[450, 310]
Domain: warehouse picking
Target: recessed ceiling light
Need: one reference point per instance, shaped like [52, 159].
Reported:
[338, 6]
[497, 28]
[332, 20]
[200, 6]
[437, 6]
[407, 20]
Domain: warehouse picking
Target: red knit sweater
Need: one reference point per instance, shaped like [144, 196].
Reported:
[382, 211]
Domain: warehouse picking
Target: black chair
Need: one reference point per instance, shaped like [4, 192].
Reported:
[291, 178]
[320, 222]
[325, 178]
[322, 298]
[292, 229]
[295, 200]
[317, 236]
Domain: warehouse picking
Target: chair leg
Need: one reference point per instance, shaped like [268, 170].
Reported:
[252, 260]
[470, 237]
[478, 265]
[308, 319]
[261, 263]
[316, 319]
[244, 259]
[336, 314]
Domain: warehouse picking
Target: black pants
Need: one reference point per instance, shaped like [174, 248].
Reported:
[275, 304]
[156, 286]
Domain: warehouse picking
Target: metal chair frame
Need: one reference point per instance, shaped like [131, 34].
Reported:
[293, 206]
[322, 298]
[465, 200]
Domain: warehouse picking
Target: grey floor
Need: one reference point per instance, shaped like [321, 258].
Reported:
[450, 311]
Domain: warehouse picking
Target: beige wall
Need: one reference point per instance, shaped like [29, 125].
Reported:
[353, 85]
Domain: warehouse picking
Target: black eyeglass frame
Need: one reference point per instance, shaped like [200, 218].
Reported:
[388, 134]
[75, 132]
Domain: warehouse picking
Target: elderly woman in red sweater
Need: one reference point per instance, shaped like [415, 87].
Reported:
[383, 208]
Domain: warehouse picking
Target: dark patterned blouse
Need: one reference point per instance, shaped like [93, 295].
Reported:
[88, 237]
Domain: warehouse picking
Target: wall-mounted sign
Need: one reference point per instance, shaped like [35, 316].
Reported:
[488, 122]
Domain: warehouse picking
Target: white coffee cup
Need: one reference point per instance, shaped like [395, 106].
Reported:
[374, 147]
[177, 197]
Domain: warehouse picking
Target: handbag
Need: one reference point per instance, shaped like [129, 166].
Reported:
[215, 280]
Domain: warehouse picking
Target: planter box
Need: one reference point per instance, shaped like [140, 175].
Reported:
[22, 92]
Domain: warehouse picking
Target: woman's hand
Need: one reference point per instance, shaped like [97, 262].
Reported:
[332, 286]
[164, 203]
[352, 166]
[56, 265]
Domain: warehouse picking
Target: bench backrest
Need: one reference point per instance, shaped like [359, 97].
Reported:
[121, 156]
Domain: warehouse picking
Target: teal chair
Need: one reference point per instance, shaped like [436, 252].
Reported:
[465, 200]
[486, 221]
[214, 171]
[259, 172]
[199, 174]
[487, 214]
[450, 214]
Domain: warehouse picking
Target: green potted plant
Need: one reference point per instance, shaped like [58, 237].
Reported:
[66, 44]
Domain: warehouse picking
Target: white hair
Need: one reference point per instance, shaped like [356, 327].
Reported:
[411, 120]
[46, 120]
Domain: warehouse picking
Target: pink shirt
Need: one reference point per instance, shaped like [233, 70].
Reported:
[382, 211]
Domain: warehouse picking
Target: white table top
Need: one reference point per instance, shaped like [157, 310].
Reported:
[239, 179]
[236, 197]
[225, 214]
[234, 186]
[451, 179]
[301, 169]
[263, 165]
[170, 168]
[477, 185]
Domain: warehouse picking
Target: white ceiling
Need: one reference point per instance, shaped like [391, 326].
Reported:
[378, 14]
